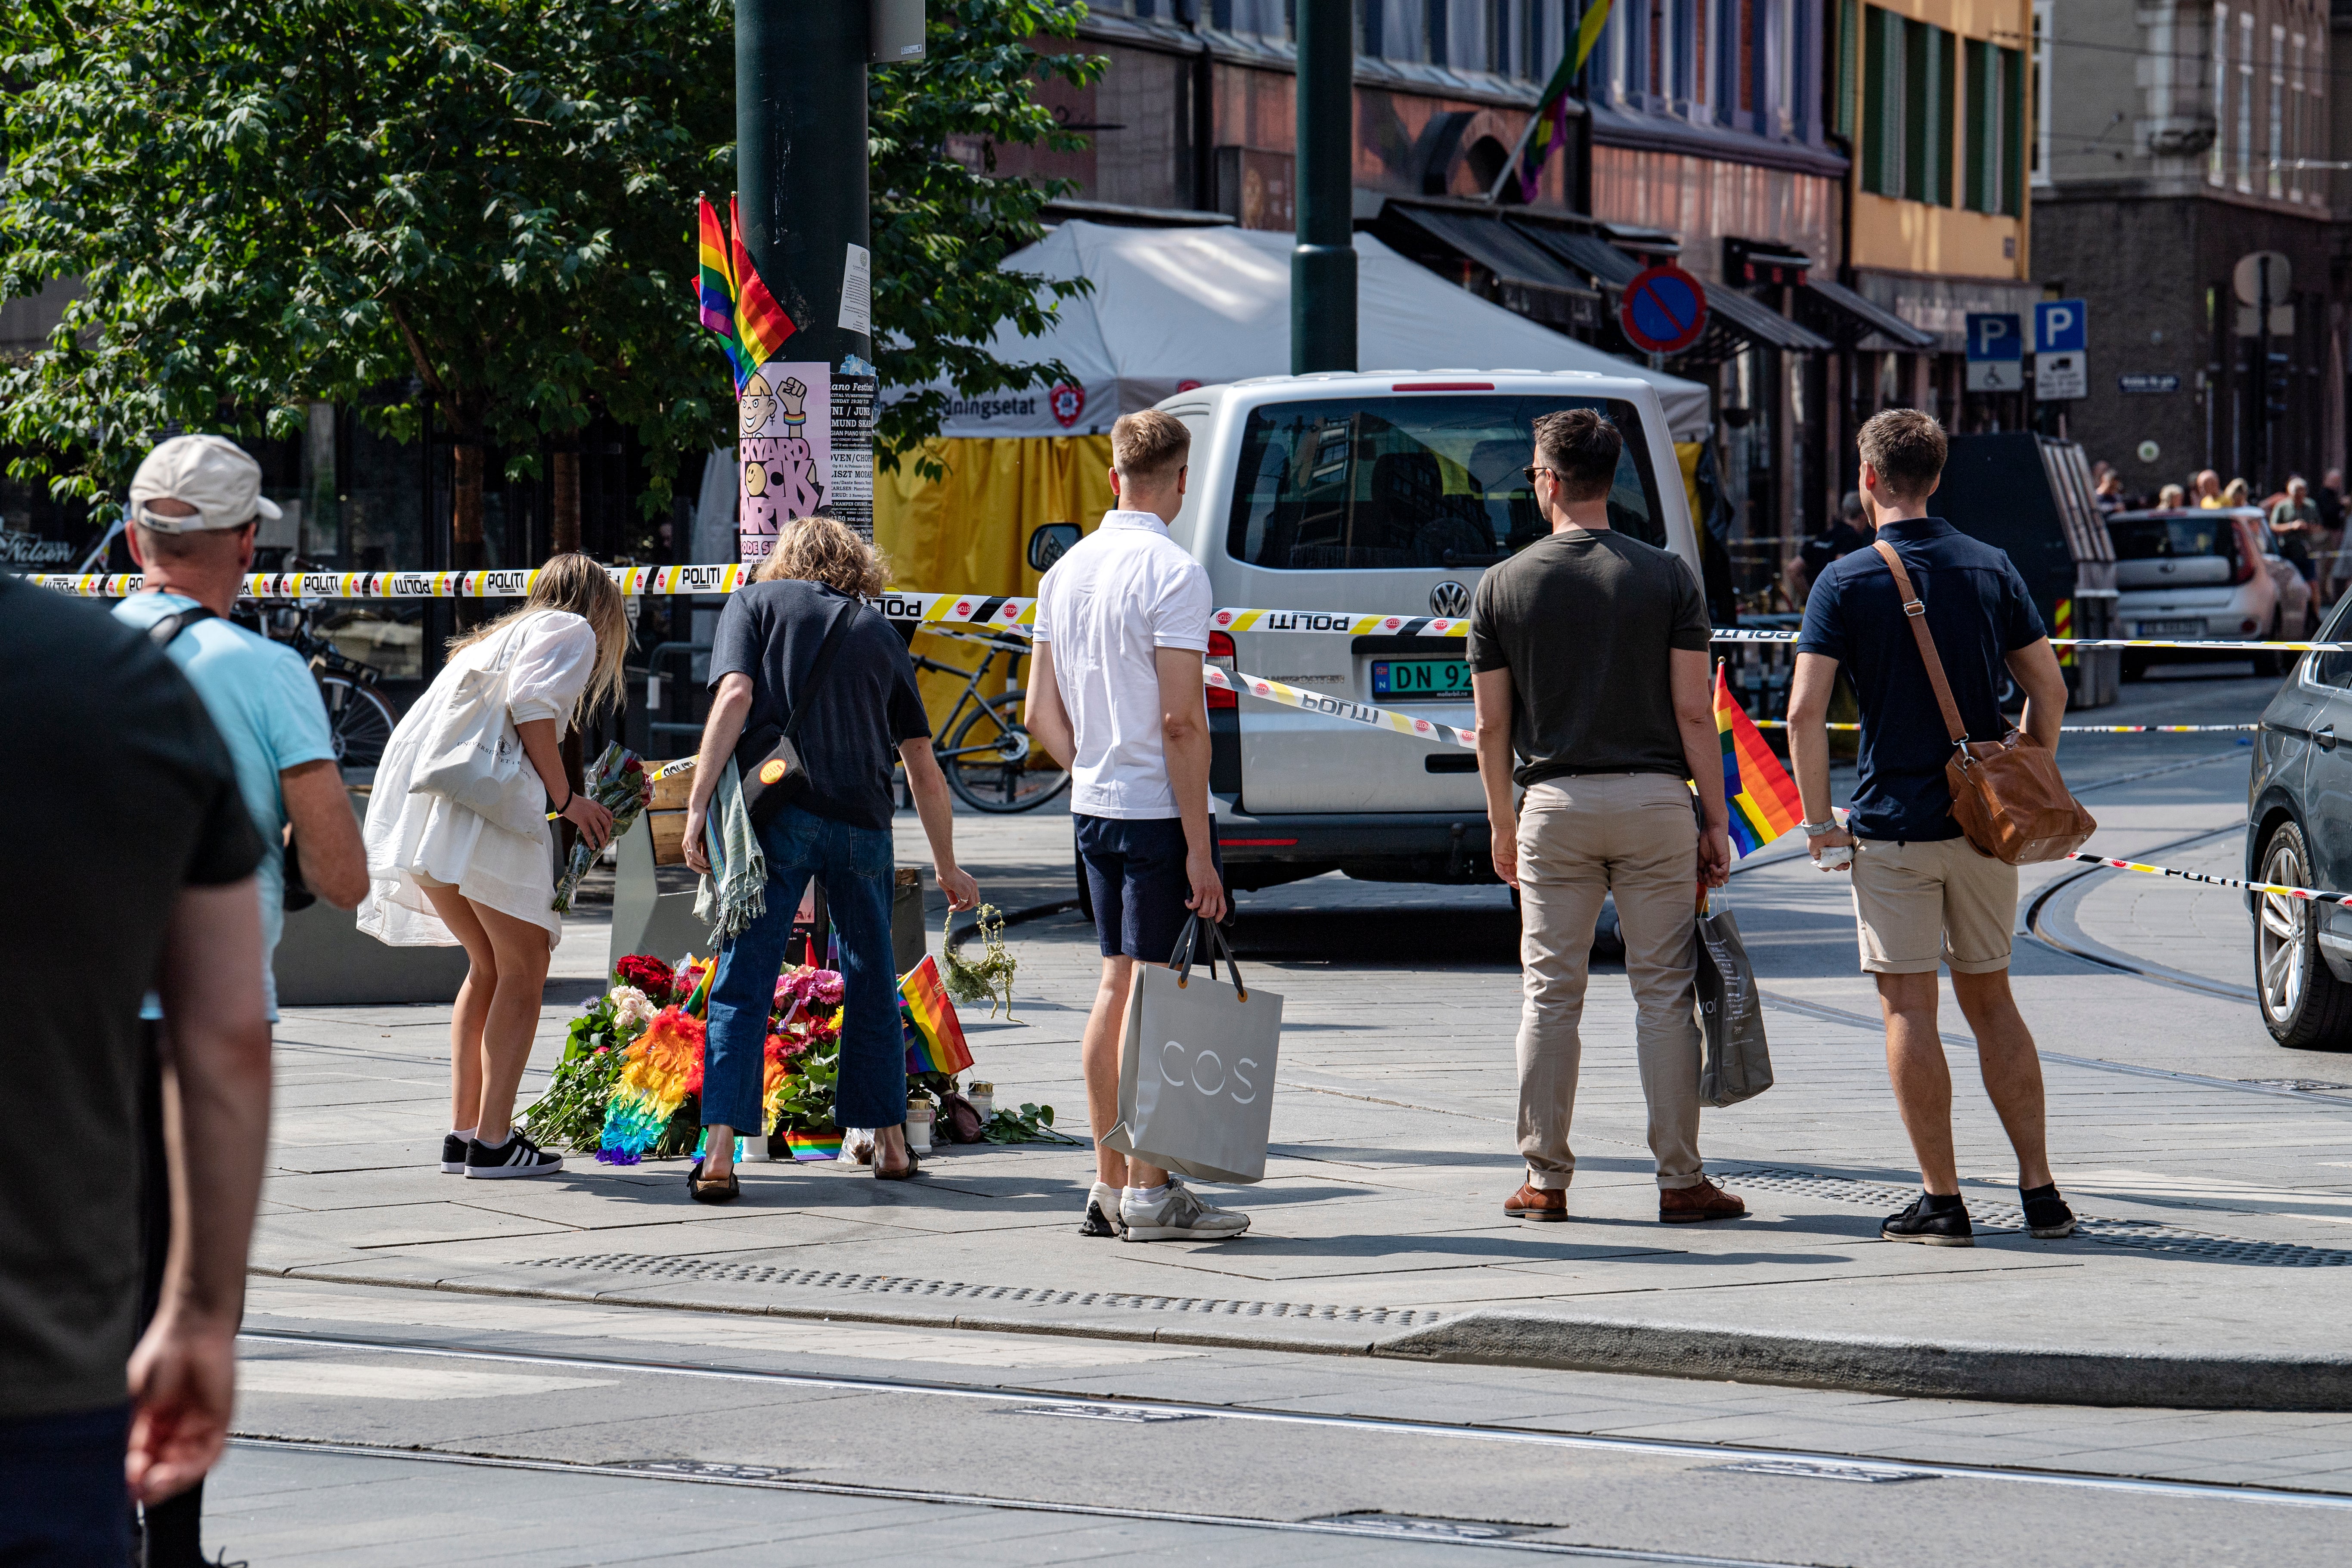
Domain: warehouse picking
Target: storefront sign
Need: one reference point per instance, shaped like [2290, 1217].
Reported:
[2147, 381]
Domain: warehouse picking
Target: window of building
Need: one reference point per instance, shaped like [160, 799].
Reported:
[2275, 165]
[2038, 172]
[1849, 49]
[2299, 140]
[1995, 129]
[2246, 101]
[1910, 78]
[2217, 166]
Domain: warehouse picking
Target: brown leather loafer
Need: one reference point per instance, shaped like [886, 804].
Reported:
[1688, 1206]
[1532, 1202]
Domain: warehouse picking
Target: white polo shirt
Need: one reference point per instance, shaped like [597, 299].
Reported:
[1122, 592]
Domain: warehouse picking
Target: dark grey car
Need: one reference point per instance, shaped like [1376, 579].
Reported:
[2299, 832]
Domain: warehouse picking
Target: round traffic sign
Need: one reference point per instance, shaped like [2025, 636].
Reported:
[1663, 309]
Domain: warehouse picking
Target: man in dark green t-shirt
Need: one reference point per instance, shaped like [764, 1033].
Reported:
[1588, 656]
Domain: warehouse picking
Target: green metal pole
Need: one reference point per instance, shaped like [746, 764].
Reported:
[1323, 268]
[800, 157]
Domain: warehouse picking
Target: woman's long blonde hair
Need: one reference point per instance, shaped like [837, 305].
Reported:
[576, 583]
[821, 549]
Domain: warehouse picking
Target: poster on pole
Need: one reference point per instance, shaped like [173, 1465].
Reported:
[786, 450]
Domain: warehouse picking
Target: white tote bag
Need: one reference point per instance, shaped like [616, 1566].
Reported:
[1196, 1068]
[472, 756]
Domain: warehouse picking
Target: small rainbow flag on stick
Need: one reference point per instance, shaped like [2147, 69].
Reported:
[1762, 797]
[934, 1037]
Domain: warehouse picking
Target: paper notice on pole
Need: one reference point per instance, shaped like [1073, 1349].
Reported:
[786, 451]
[858, 290]
[855, 398]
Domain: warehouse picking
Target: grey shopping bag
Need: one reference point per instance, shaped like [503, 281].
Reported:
[1196, 1066]
[1735, 1065]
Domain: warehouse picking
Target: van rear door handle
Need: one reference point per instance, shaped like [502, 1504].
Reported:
[2325, 736]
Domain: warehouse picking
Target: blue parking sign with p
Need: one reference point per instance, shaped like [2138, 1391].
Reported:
[2060, 326]
[1995, 336]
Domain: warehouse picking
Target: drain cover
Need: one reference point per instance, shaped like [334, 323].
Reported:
[1411, 1527]
[1828, 1470]
[1108, 1413]
[2302, 1085]
[705, 1470]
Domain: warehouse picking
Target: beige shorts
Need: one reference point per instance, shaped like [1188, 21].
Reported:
[1919, 905]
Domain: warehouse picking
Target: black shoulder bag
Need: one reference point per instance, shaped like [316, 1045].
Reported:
[769, 757]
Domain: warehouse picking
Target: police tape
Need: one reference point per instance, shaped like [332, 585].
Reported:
[2274, 890]
[1387, 719]
[2081, 728]
[999, 612]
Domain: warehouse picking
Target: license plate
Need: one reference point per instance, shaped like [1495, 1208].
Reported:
[2192, 628]
[1439, 678]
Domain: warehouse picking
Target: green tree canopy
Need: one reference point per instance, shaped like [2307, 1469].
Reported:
[485, 206]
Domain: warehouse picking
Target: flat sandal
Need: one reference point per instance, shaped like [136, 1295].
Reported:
[913, 1165]
[704, 1192]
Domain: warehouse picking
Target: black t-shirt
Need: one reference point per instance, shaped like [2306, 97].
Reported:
[1584, 620]
[119, 793]
[1979, 612]
[771, 632]
[1835, 543]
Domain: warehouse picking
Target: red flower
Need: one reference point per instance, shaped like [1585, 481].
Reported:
[648, 975]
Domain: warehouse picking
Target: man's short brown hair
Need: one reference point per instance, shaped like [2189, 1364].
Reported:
[1907, 448]
[1148, 446]
[1582, 446]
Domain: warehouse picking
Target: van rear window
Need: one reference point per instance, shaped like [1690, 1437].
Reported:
[2174, 538]
[1365, 483]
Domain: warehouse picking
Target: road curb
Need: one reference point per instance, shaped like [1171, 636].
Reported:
[1869, 1364]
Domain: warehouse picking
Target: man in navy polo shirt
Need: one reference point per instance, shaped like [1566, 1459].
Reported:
[1923, 896]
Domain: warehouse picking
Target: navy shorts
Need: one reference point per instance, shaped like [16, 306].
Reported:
[1135, 880]
[63, 1504]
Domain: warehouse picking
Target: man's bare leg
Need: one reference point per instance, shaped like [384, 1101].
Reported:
[1921, 1078]
[2011, 1068]
[1099, 1053]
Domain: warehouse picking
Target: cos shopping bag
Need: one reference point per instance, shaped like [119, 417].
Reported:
[1196, 1066]
[1735, 1064]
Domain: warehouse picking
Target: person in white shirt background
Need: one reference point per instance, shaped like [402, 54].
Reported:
[444, 875]
[1116, 696]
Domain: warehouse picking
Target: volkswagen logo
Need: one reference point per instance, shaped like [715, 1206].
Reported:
[1450, 600]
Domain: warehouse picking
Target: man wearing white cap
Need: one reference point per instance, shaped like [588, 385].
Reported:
[195, 505]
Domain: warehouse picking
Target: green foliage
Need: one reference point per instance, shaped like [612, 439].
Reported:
[1030, 1125]
[807, 1100]
[571, 1114]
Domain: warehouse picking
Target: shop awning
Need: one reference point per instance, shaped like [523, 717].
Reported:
[1531, 280]
[1734, 313]
[1849, 317]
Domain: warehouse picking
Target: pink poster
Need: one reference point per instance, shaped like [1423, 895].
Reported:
[786, 449]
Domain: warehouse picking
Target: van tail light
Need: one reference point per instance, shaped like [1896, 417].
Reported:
[2249, 553]
[1220, 654]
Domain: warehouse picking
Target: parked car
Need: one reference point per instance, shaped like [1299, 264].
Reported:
[2299, 834]
[2212, 574]
[1389, 491]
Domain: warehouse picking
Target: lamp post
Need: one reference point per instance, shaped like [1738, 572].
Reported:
[1323, 268]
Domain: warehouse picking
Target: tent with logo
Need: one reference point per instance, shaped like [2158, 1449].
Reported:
[1172, 309]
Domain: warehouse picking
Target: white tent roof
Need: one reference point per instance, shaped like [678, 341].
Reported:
[1173, 308]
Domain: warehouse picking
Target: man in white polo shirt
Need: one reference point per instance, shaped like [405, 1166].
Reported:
[1115, 694]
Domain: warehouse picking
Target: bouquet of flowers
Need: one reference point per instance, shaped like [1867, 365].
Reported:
[617, 781]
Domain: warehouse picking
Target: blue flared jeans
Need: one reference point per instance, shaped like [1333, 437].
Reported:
[855, 865]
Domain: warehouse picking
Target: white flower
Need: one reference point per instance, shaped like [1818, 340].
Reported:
[632, 1008]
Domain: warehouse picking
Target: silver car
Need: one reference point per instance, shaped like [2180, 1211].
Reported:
[2198, 574]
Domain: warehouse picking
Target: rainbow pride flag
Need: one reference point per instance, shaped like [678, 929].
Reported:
[934, 1037]
[823, 1145]
[663, 1066]
[715, 288]
[698, 1000]
[1762, 797]
[761, 324]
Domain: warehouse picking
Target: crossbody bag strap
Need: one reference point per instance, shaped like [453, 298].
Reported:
[1916, 613]
[824, 666]
[167, 629]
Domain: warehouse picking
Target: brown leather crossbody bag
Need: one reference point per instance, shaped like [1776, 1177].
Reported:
[2007, 796]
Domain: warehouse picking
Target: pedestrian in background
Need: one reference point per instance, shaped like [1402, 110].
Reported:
[2205, 489]
[1610, 733]
[866, 710]
[2237, 492]
[2295, 521]
[2172, 498]
[2110, 495]
[195, 504]
[135, 873]
[1116, 696]
[2329, 498]
[445, 875]
[1923, 895]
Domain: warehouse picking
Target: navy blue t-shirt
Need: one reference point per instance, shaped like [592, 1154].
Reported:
[1979, 612]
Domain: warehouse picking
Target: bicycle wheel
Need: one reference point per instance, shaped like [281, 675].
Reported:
[358, 718]
[992, 765]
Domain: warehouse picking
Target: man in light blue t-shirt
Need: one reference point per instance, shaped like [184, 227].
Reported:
[195, 505]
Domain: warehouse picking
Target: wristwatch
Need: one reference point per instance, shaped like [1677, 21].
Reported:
[1815, 829]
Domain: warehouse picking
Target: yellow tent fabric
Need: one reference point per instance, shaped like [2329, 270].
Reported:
[970, 530]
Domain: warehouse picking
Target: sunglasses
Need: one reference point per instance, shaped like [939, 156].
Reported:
[1531, 473]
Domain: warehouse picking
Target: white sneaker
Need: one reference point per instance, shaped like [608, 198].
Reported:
[1179, 1216]
[1102, 1213]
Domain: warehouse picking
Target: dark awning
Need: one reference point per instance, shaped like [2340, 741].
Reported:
[1530, 280]
[1850, 318]
[1738, 314]
[1589, 254]
[1753, 319]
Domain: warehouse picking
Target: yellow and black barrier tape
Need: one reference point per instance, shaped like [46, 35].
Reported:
[2273, 889]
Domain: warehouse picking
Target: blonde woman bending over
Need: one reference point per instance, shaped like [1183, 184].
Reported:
[443, 876]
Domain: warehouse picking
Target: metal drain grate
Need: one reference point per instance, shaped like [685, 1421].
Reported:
[2139, 1235]
[685, 1268]
[2300, 1085]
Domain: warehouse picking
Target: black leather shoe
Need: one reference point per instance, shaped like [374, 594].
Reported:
[1934, 1227]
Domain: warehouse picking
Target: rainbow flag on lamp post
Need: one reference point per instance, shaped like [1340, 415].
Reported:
[729, 297]
[1762, 797]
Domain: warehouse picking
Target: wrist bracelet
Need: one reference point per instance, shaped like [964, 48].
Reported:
[569, 796]
[1815, 829]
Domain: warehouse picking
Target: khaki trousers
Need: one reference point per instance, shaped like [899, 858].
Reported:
[1636, 836]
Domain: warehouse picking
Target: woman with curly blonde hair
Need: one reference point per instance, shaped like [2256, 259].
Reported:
[442, 875]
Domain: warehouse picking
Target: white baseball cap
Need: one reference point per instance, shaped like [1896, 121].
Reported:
[211, 473]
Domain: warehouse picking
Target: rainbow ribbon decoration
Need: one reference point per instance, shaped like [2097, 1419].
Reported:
[934, 1037]
[663, 1066]
[730, 297]
[1763, 799]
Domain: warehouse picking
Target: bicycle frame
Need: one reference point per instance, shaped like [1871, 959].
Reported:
[972, 693]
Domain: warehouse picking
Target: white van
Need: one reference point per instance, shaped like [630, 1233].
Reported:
[1385, 491]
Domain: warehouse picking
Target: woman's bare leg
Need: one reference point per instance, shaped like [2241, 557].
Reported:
[473, 1005]
[512, 1022]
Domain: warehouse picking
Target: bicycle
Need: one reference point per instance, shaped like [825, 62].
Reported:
[358, 718]
[990, 761]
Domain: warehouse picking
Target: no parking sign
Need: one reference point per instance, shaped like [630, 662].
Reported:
[1663, 309]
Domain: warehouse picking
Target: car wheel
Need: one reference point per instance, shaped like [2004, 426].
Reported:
[2302, 1001]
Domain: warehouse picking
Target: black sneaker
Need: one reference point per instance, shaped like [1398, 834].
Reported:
[1934, 1227]
[1102, 1213]
[518, 1156]
[453, 1154]
[2046, 1213]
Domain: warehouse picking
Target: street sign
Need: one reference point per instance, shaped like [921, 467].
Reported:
[1996, 375]
[2246, 278]
[2147, 381]
[1663, 309]
[2061, 375]
[2060, 325]
[2150, 451]
[1995, 337]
